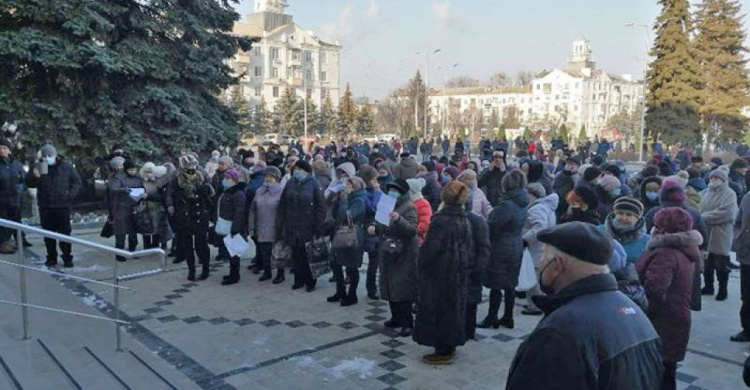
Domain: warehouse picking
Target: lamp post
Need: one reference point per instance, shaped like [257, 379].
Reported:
[426, 84]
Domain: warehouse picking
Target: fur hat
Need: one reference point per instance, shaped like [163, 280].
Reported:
[116, 162]
[232, 174]
[583, 194]
[672, 189]
[367, 173]
[609, 183]
[147, 168]
[303, 165]
[226, 160]
[673, 220]
[467, 174]
[187, 159]
[455, 193]
[347, 168]
[259, 166]
[721, 172]
[399, 185]
[513, 180]
[591, 173]
[272, 171]
[629, 205]
[356, 182]
[537, 190]
[319, 166]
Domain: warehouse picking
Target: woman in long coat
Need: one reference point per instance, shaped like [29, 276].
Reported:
[443, 271]
[262, 221]
[155, 182]
[666, 271]
[506, 225]
[398, 268]
[122, 205]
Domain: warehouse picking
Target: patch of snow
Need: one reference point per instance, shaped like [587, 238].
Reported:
[93, 268]
[358, 365]
[93, 301]
[303, 361]
[260, 341]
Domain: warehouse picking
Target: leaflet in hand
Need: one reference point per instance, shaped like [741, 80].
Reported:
[135, 193]
[385, 208]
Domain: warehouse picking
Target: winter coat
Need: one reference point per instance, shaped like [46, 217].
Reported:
[562, 185]
[541, 215]
[697, 219]
[741, 242]
[718, 210]
[606, 204]
[589, 216]
[301, 211]
[323, 178]
[647, 203]
[352, 208]
[192, 211]
[398, 273]
[406, 169]
[263, 212]
[424, 215]
[231, 207]
[537, 174]
[592, 337]
[633, 240]
[443, 288]
[666, 271]
[156, 197]
[480, 234]
[489, 181]
[256, 181]
[373, 198]
[58, 188]
[506, 225]
[738, 185]
[479, 203]
[11, 174]
[122, 204]
[432, 189]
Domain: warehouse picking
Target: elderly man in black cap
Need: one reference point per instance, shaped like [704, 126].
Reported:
[592, 336]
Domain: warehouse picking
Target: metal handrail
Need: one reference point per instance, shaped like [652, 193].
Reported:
[20, 228]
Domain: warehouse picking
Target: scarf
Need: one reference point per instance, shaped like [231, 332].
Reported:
[188, 182]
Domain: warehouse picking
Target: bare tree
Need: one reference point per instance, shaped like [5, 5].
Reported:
[499, 79]
[523, 78]
[462, 82]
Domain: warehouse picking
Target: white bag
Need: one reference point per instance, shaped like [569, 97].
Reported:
[527, 276]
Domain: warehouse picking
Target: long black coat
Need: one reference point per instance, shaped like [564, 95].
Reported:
[122, 203]
[231, 207]
[192, 212]
[398, 274]
[506, 223]
[58, 188]
[443, 280]
[478, 261]
[489, 181]
[301, 211]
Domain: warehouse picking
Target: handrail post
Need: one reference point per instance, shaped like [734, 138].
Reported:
[22, 275]
[118, 326]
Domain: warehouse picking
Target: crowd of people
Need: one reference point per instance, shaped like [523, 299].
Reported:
[620, 258]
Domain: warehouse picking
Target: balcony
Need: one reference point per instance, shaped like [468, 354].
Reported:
[295, 81]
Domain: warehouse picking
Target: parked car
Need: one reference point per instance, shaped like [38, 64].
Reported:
[387, 137]
[371, 139]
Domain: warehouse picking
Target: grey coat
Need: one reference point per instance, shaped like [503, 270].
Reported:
[122, 203]
[718, 210]
[742, 232]
[541, 215]
[398, 274]
[263, 211]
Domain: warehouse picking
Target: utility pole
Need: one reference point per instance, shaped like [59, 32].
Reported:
[426, 86]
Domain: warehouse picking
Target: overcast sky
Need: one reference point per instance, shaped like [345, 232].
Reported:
[380, 38]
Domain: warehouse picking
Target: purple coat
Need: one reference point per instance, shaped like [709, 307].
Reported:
[666, 272]
[262, 215]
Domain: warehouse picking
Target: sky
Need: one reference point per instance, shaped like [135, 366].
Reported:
[476, 38]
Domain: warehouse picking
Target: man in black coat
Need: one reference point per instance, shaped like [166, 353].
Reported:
[592, 336]
[11, 175]
[489, 181]
[58, 184]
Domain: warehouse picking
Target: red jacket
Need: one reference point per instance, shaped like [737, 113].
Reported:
[424, 215]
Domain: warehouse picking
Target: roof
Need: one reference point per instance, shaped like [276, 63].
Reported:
[247, 30]
[480, 90]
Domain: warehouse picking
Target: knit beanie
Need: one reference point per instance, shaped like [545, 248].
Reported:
[232, 174]
[673, 220]
[513, 180]
[303, 165]
[453, 172]
[738, 163]
[583, 194]
[629, 205]
[429, 165]
[6, 143]
[672, 190]
[467, 174]
[188, 159]
[367, 173]
[721, 172]
[259, 166]
[48, 150]
[693, 173]
[128, 164]
[116, 162]
[717, 161]
[609, 183]
[273, 171]
[415, 188]
[226, 160]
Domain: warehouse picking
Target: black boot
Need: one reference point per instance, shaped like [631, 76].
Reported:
[234, 272]
[279, 276]
[351, 296]
[67, 261]
[336, 297]
[491, 320]
[191, 274]
[266, 276]
[723, 278]
[205, 271]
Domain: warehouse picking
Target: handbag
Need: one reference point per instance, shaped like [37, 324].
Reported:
[142, 219]
[280, 253]
[318, 254]
[391, 246]
[345, 238]
[527, 275]
[223, 227]
[108, 230]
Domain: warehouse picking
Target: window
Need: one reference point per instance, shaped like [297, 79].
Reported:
[275, 73]
[275, 92]
[324, 76]
[547, 88]
[308, 75]
[309, 93]
[295, 54]
[258, 91]
[538, 87]
[258, 71]
[308, 56]
[256, 51]
[274, 53]
[323, 57]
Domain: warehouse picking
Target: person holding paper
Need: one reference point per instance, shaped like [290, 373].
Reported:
[120, 186]
[262, 222]
[230, 213]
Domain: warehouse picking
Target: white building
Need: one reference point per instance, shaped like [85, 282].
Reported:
[286, 55]
[577, 95]
[459, 107]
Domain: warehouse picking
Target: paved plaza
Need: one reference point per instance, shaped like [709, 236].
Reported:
[254, 335]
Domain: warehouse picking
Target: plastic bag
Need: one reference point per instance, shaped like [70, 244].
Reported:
[527, 278]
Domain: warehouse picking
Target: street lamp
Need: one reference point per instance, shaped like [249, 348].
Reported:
[426, 84]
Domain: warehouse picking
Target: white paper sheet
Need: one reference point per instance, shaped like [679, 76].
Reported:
[135, 193]
[385, 207]
[236, 245]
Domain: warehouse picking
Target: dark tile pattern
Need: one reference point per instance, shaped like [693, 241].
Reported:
[244, 322]
[348, 325]
[391, 366]
[392, 343]
[270, 323]
[169, 318]
[218, 321]
[687, 378]
[152, 310]
[295, 324]
[391, 379]
[503, 337]
[375, 318]
[193, 319]
[173, 296]
[392, 354]
[321, 325]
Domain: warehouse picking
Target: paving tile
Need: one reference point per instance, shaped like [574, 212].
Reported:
[163, 303]
[378, 303]
[270, 323]
[391, 365]
[375, 318]
[152, 310]
[169, 318]
[681, 376]
[173, 296]
[348, 325]
[244, 322]
[321, 325]
[503, 337]
[218, 321]
[295, 324]
[392, 343]
[377, 310]
[391, 379]
[181, 291]
[193, 319]
[392, 354]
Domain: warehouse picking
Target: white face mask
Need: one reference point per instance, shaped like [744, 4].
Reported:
[50, 160]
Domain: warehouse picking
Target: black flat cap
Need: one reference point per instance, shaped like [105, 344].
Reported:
[581, 240]
[399, 185]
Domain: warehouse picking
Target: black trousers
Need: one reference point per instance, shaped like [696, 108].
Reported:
[471, 320]
[12, 213]
[189, 245]
[56, 220]
[496, 296]
[302, 271]
[371, 282]
[352, 273]
[120, 243]
[154, 241]
[720, 265]
[745, 295]
[669, 380]
[263, 256]
[401, 312]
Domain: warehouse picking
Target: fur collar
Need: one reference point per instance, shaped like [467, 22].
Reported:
[687, 242]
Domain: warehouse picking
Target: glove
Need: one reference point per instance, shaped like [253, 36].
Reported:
[170, 210]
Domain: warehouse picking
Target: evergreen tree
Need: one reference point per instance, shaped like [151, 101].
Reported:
[582, 137]
[673, 76]
[562, 133]
[328, 117]
[347, 116]
[241, 108]
[147, 74]
[416, 93]
[501, 134]
[365, 122]
[494, 121]
[290, 112]
[527, 133]
[719, 47]
[262, 121]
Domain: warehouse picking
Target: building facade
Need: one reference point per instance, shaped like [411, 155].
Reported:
[285, 56]
[577, 95]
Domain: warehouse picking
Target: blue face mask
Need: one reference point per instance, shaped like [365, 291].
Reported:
[299, 174]
[226, 183]
[616, 192]
[652, 195]
[394, 194]
[50, 160]
[446, 179]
